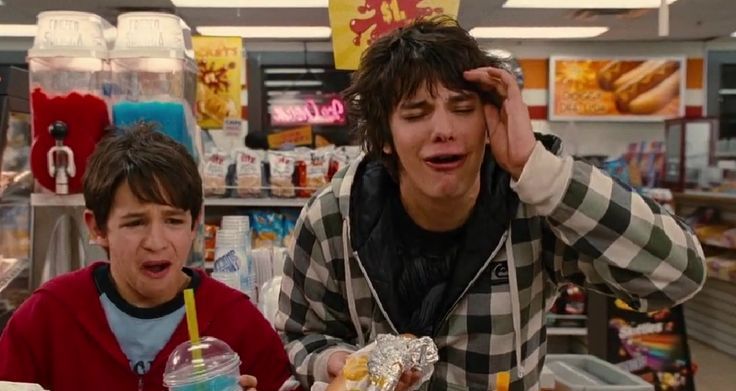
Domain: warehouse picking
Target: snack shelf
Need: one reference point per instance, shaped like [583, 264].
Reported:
[14, 271]
[715, 243]
[725, 155]
[257, 202]
[574, 331]
[78, 200]
[42, 199]
[567, 316]
[705, 197]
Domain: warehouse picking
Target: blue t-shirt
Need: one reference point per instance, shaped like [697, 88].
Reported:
[140, 332]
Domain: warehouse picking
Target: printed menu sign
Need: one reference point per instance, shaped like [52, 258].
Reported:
[355, 24]
[616, 89]
[220, 64]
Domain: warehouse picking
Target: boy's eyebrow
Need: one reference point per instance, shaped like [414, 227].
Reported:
[174, 212]
[458, 97]
[461, 96]
[413, 104]
[133, 215]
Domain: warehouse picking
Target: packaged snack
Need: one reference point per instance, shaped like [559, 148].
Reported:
[317, 168]
[302, 160]
[267, 228]
[341, 158]
[215, 173]
[290, 217]
[282, 166]
[209, 242]
[378, 366]
[338, 161]
[248, 172]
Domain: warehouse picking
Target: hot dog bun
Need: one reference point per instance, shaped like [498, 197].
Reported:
[642, 68]
[658, 97]
[643, 79]
[613, 71]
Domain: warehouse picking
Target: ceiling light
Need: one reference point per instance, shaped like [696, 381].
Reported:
[266, 31]
[537, 32]
[250, 3]
[733, 34]
[583, 4]
[18, 30]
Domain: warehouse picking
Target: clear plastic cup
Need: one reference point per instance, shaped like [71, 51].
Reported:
[217, 368]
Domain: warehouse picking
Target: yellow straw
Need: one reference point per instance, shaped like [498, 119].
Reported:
[502, 381]
[191, 310]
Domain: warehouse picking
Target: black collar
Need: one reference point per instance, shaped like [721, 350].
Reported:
[104, 283]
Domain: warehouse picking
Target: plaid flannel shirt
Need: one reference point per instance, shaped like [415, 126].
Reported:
[574, 224]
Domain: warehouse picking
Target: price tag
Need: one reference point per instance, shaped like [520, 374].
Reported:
[233, 127]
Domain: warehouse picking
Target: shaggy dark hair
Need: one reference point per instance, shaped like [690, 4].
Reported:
[429, 52]
[156, 167]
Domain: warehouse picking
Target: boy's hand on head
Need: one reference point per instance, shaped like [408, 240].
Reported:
[509, 127]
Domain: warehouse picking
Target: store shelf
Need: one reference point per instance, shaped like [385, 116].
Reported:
[692, 197]
[574, 331]
[257, 202]
[726, 156]
[714, 243]
[16, 268]
[39, 199]
[711, 315]
[78, 200]
[566, 316]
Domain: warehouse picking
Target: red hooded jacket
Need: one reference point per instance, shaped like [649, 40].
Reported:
[60, 338]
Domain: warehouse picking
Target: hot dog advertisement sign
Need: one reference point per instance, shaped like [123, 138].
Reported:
[616, 89]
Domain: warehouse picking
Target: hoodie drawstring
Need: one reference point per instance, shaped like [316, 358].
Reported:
[515, 305]
[349, 283]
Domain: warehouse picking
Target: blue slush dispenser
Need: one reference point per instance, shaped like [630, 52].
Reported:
[154, 76]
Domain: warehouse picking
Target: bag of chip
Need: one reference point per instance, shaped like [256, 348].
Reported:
[248, 172]
[215, 173]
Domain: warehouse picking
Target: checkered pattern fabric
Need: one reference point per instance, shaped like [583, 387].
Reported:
[596, 233]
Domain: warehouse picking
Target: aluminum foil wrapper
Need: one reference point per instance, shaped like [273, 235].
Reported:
[394, 355]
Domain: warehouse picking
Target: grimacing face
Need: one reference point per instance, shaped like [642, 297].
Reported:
[148, 245]
[440, 142]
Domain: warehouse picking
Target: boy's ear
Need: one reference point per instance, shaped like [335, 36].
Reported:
[97, 234]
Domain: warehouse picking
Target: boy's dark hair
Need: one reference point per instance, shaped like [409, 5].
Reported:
[434, 51]
[156, 167]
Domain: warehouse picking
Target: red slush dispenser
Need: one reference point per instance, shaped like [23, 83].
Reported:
[68, 65]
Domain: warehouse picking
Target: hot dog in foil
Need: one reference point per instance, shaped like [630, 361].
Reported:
[379, 366]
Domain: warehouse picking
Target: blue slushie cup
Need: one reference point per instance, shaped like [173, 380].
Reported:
[215, 368]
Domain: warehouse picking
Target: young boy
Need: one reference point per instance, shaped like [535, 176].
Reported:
[112, 325]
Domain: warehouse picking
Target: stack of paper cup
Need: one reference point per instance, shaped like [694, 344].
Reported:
[233, 239]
